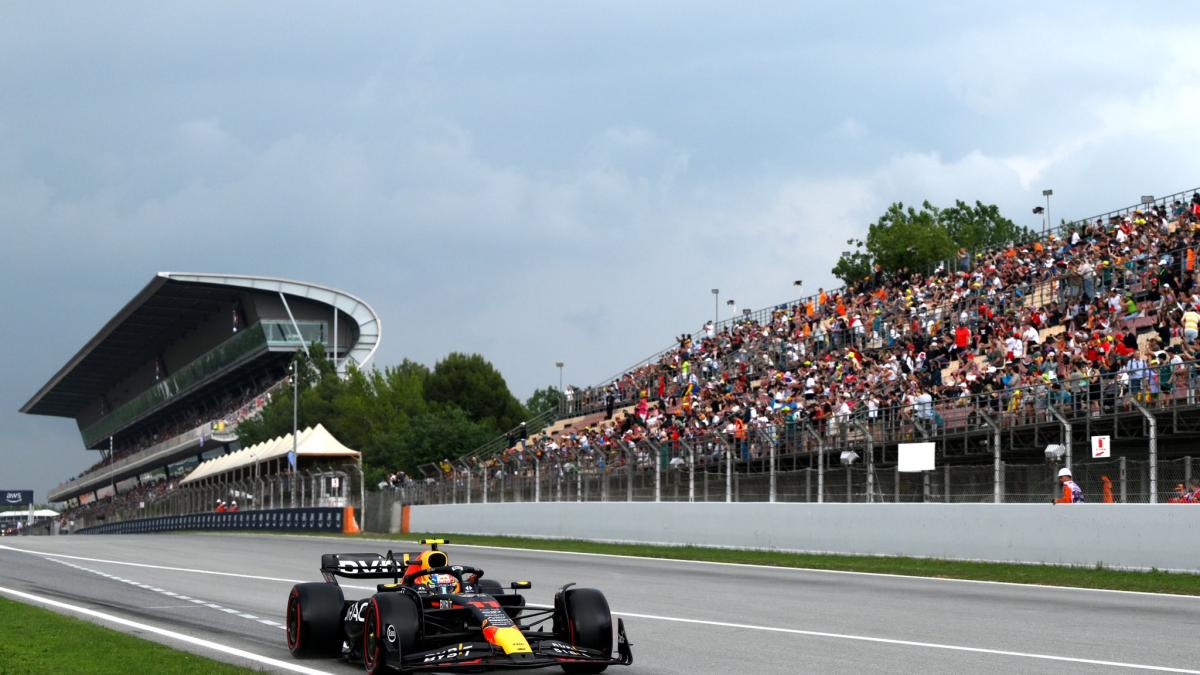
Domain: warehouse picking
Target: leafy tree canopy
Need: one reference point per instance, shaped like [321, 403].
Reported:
[544, 399]
[389, 415]
[907, 239]
[473, 384]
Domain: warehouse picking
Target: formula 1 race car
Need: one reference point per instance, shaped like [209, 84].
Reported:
[438, 616]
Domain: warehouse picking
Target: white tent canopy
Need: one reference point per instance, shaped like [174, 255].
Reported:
[311, 442]
[40, 513]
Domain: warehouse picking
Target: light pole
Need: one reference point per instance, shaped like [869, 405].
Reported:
[1046, 194]
[716, 307]
[294, 459]
[732, 303]
[1147, 201]
[562, 394]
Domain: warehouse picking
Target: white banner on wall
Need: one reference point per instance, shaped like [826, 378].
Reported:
[916, 457]
[1101, 447]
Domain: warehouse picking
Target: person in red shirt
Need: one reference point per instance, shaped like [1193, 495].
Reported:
[221, 507]
[962, 338]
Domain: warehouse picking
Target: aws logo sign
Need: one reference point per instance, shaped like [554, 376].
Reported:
[18, 497]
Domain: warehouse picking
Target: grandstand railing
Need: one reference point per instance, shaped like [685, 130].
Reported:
[591, 399]
[243, 345]
[727, 462]
[151, 456]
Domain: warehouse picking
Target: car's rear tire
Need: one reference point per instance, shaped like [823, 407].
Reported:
[399, 612]
[314, 620]
[582, 618]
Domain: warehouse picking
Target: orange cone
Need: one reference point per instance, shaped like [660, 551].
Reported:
[349, 522]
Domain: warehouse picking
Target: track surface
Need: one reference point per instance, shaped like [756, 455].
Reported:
[833, 623]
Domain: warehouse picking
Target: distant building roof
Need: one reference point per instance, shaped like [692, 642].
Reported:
[170, 305]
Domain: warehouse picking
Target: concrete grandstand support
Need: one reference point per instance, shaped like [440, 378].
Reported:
[1153, 448]
[1066, 429]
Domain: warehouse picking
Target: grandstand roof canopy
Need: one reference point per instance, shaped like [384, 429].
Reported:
[40, 513]
[311, 442]
[170, 306]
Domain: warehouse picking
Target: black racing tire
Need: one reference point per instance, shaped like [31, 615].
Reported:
[314, 620]
[394, 610]
[490, 587]
[583, 619]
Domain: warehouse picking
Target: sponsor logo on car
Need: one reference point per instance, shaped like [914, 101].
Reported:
[351, 567]
[391, 633]
[355, 610]
[459, 651]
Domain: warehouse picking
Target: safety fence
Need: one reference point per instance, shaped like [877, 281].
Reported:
[324, 487]
[1120, 480]
[283, 520]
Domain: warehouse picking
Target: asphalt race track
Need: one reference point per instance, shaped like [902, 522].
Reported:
[681, 617]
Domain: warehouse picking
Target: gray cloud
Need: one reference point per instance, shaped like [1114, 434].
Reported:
[532, 181]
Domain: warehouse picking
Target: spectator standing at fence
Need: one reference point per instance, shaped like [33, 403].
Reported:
[221, 508]
[1191, 325]
[569, 395]
[1071, 492]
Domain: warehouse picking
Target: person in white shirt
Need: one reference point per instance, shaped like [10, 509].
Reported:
[1015, 348]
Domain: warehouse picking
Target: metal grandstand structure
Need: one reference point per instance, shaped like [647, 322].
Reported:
[1011, 428]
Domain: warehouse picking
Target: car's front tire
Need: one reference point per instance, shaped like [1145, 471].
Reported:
[582, 618]
[314, 620]
[390, 626]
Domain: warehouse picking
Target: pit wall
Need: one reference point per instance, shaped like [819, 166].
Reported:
[1138, 536]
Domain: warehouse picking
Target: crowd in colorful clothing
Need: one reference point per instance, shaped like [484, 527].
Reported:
[1086, 318]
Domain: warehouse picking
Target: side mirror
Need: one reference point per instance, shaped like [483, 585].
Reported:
[521, 585]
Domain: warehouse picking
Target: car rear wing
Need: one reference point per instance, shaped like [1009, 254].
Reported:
[380, 566]
[365, 565]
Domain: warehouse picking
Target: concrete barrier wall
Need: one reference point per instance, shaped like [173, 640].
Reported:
[1131, 536]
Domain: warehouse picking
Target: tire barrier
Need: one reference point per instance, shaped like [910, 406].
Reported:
[324, 519]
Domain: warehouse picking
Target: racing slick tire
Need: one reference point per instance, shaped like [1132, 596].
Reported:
[490, 587]
[314, 620]
[582, 618]
[390, 625]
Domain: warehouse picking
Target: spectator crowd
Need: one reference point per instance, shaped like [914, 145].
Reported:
[1087, 318]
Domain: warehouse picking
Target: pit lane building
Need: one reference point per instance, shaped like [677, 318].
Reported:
[166, 380]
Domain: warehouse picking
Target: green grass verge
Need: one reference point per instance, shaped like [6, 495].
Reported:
[1154, 581]
[36, 641]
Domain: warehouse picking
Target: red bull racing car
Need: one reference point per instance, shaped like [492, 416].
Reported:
[436, 616]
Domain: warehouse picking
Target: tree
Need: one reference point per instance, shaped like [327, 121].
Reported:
[541, 400]
[389, 414]
[472, 383]
[980, 227]
[905, 239]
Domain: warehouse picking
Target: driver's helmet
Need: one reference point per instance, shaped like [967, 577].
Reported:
[441, 583]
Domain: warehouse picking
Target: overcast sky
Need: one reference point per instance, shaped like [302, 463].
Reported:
[538, 181]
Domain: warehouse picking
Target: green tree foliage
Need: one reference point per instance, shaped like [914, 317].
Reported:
[544, 399]
[471, 383]
[905, 239]
[386, 413]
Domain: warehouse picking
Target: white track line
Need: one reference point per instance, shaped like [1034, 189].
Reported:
[911, 643]
[793, 631]
[166, 568]
[206, 644]
[197, 603]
